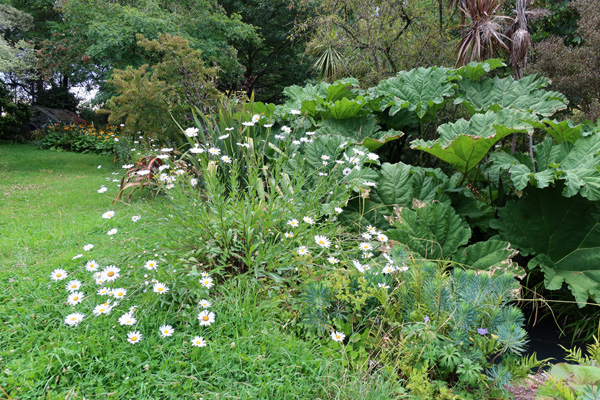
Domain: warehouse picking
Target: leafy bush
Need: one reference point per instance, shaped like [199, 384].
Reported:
[81, 138]
[153, 96]
[12, 115]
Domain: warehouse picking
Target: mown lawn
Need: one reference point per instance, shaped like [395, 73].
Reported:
[50, 209]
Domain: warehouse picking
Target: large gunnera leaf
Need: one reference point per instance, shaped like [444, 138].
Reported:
[433, 231]
[577, 165]
[463, 144]
[525, 94]
[397, 186]
[563, 234]
[363, 131]
[422, 90]
[475, 70]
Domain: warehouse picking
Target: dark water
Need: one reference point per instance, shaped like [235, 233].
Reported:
[545, 341]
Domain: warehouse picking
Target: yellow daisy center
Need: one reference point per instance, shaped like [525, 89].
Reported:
[337, 336]
[205, 318]
[58, 275]
[75, 298]
[110, 273]
[160, 289]
[134, 338]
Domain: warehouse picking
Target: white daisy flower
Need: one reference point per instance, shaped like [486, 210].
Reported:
[286, 129]
[303, 251]
[295, 112]
[166, 149]
[102, 189]
[367, 236]
[346, 171]
[127, 319]
[204, 303]
[223, 137]
[229, 129]
[372, 156]
[279, 137]
[150, 265]
[206, 317]
[74, 319]
[288, 235]
[73, 285]
[145, 172]
[191, 132]
[256, 118]
[166, 330]
[359, 266]
[372, 229]
[58, 274]
[88, 247]
[268, 125]
[193, 182]
[382, 238]
[160, 288]
[102, 309]
[338, 336]
[119, 293]
[365, 246]
[383, 286]
[103, 291]
[179, 172]
[111, 232]
[198, 341]
[77, 256]
[388, 269]
[214, 151]
[293, 223]
[322, 241]
[325, 157]
[308, 220]
[226, 159]
[91, 266]
[296, 142]
[359, 152]
[403, 268]
[369, 183]
[134, 337]
[196, 150]
[207, 282]
[333, 260]
[136, 218]
[75, 298]
[310, 133]
[110, 273]
[248, 123]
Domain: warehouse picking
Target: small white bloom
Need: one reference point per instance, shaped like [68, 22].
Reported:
[226, 159]
[372, 156]
[207, 282]
[75, 298]
[303, 251]
[333, 260]
[248, 123]
[369, 183]
[206, 317]
[196, 150]
[191, 132]
[166, 330]
[143, 172]
[310, 133]
[136, 218]
[150, 265]
[119, 293]
[193, 182]
[214, 151]
[77, 256]
[111, 232]
[198, 341]
[73, 285]
[91, 266]
[322, 241]
[255, 118]
[365, 246]
[108, 215]
[58, 274]
[338, 210]
[134, 337]
[288, 235]
[102, 189]
[127, 319]
[383, 286]
[293, 223]
[204, 303]
[308, 220]
[223, 137]
[382, 238]
[160, 288]
[346, 171]
[359, 266]
[295, 112]
[268, 125]
[286, 129]
[74, 319]
[338, 336]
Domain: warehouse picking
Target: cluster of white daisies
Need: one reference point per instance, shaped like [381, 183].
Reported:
[110, 294]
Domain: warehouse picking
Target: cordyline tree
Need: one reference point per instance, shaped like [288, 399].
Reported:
[487, 33]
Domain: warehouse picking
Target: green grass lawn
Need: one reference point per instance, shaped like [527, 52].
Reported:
[50, 209]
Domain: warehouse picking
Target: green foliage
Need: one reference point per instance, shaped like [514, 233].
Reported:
[57, 97]
[579, 381]
[12, 115]
[563, 235]
[150, 97]
[17, 56]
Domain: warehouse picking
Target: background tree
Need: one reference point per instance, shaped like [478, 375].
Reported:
[275, 60]
[149, 98]
[374, 39]
[574, 68]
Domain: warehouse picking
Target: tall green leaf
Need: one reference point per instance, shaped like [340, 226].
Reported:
[422, 90]
[463, 144]
[563, 234]
[525, 94]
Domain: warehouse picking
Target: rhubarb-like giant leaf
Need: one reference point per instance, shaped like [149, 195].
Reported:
[563, 234]
[475, 70]
[463, 144]
[494, 256]
[422, 90]
[433, 231]
[525, 94]
[577, 165]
